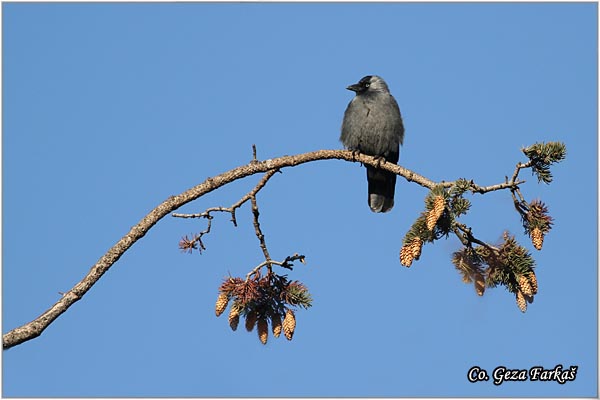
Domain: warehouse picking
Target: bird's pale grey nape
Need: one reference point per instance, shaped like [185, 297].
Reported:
[373, 125]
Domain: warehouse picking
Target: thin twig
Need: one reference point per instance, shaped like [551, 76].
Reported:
[254, 191]
[238, 204]
[466, 237]
[258, 231]
[189, 245]
[518, 168]
[500, 186]
[285, 264]
[511, 184]
[204, 214]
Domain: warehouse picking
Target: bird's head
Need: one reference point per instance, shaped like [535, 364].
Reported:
[370, 83]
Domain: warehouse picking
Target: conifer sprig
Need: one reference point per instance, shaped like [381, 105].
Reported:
[434, 222]
[470, 266]
[478, 262]
[508, 264]
[537, 222]
[263, 299]
[542, 155]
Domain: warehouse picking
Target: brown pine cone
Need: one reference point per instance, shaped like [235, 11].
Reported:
[251, 318]
[533, 282]
[221, 304]
[263, 330]
[521, 302]
[439, 204]
[276, 322]
[234, 318]
[411, 251]
[525, 285]
[537, 238]
[416, 246]
[289, 324]
[406, 256]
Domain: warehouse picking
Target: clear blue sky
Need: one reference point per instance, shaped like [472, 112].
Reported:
[108, 109]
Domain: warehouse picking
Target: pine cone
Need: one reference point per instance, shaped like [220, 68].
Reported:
[537, 238]
[521, 302]
[533, 282]
[251, 318]
[263, 330]
[234, 318]
[439, 204]
[479, 283]
[411, 251]
[416, 245]
[221, 304]
[406, 256]
[276, 322]
[525, 285]
[289, 324]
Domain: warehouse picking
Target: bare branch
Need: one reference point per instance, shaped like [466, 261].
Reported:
[190, 245]
[500, 186]
[204, 214]
[287, 263]
[512, 184]
[257, 230]
[236, 205]
[466, 237]
[519, 167]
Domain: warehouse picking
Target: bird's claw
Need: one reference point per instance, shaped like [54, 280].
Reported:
[380, 160]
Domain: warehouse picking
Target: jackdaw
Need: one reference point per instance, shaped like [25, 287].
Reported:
[373, 125]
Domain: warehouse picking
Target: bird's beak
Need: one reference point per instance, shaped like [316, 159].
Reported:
[354, 88]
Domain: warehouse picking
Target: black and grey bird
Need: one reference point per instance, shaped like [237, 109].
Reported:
[373, 125]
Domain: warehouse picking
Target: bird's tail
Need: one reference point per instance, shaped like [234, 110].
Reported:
[382, 185]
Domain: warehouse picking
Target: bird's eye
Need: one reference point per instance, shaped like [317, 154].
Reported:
[367, 84]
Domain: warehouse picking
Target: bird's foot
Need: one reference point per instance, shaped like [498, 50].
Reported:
[355, 152]
[380, 160]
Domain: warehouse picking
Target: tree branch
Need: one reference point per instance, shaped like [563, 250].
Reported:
[35, 328]
[258, 231]
[467, 238]
[235, 206]
[189, 245]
